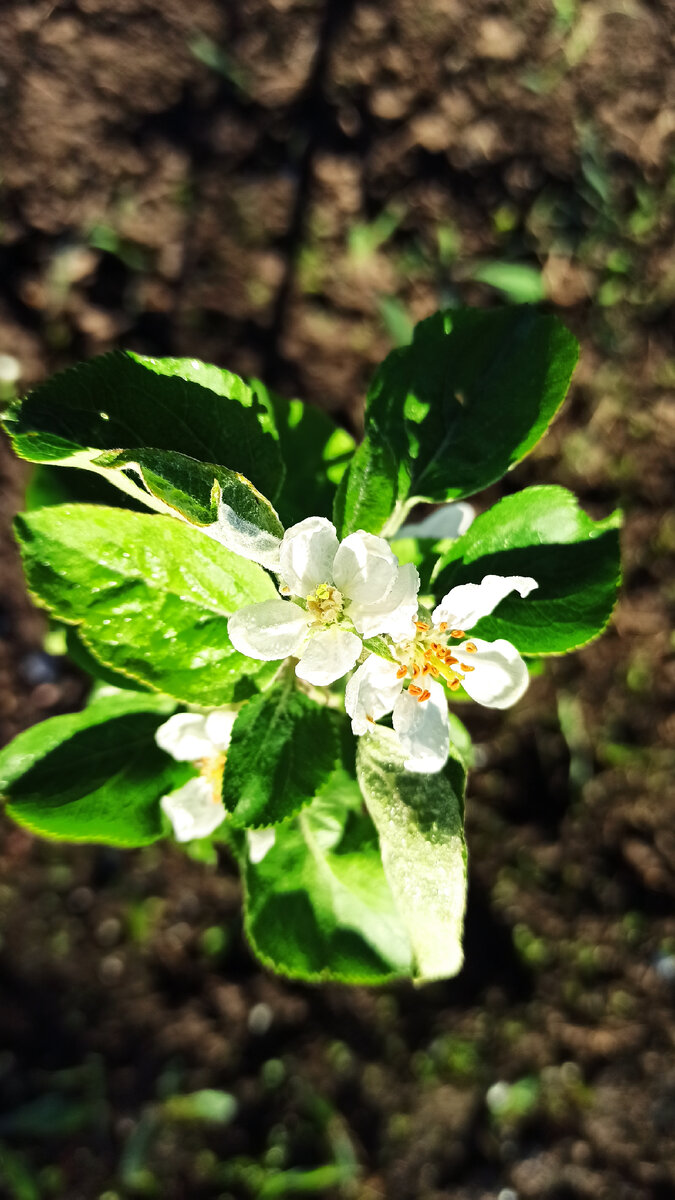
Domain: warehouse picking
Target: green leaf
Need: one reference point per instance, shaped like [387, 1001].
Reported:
[318, 906]
[150, 596]
[457, 408]
[394, 317]
[124, 401]
[315, 452]
[541, 532]
[368, 489]
[420, 821]
[93, 776]
[283, 750]
[521, 282]
[82, 656]
[461, 741]
[208, 1106]
[380, 646]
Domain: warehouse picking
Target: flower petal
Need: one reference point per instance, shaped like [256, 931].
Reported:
[329, 654]
[307, 553]
[499, 677]
[449, 521]
[269, 630]
[219, 725]
[371, 692]
[423, 729]
[184, 736]
[395, 614]
[365, 568]
[259, 842]
[193, 810]
[465, 604]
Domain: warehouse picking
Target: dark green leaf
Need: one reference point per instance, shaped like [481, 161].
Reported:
[465, 401]
[124, 401]
[420, 821]
[151, 597]
[368, 489]
[94, 776]
[541, 532]
[318, 905]
[315, 453]
[283, 749]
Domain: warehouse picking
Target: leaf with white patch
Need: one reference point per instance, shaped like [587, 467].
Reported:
[226, 506]
[318, 905]
[420, 822]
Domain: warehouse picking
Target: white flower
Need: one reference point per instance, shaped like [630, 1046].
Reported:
[492, 673]
[351, 590]
[196, 809]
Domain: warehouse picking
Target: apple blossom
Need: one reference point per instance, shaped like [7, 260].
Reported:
[196, 809]
[492, 673]
[348, 591]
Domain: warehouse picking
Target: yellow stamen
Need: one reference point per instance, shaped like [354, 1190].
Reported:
[402, 672]
[453, 684]
[465, 667]
[325, 604]
[470, 648]
[457, 633]
[212, 769]
[443, 626]
[425, 696]
[415, 690]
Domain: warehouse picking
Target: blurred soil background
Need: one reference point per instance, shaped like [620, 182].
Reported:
[282, 187]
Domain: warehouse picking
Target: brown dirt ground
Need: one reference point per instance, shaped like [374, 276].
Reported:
[211, 180]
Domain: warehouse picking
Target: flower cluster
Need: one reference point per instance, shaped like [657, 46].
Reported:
[346, 592]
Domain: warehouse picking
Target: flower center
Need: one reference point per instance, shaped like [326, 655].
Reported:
[211, 769]
[325, 605]
[428, 655]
